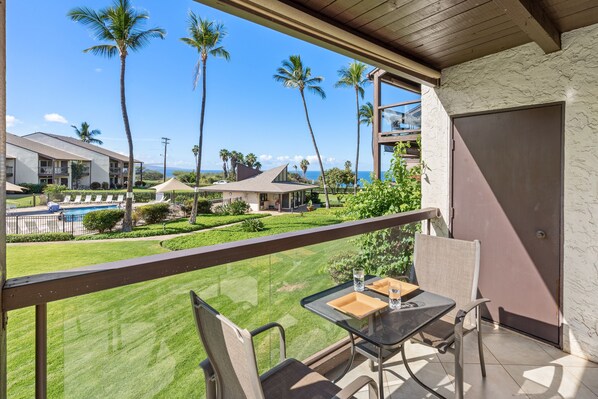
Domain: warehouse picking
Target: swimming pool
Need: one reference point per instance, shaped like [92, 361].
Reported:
[73, 212]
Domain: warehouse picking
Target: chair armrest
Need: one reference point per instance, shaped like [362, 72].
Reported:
[283, 341]
[460, 317]
[210, 377]
[350, 390]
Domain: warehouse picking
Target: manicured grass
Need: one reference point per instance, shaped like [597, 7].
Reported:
[175, 226]
[273, 225]
[22, 200]
[140, 340]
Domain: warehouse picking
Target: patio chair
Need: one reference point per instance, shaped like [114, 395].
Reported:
[67, 199]
[31, 226]
[120, 198]
[451, 268]
[231, 370]
[98, 198]
[87, 199]
[77, 200]
[109, 199]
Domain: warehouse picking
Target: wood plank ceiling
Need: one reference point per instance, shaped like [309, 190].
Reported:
[442, 33]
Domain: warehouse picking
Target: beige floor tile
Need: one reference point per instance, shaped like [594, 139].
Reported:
[431, 374]
[360, 367]
[498, 384]
[588, 376]
[566, 359]
[549, 381]
[516, 349]
[470, 352]
[490, 328]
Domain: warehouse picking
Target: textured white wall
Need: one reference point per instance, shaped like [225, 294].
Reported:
[525, 76]
[26, 164]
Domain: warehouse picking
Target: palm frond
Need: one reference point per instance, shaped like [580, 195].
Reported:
[317, 90]
[220, 52]
[140, 39]
[95, 20]
[104, 50]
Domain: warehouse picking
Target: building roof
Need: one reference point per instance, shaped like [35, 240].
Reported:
[262, 183]
[87, 146]
[42, 149]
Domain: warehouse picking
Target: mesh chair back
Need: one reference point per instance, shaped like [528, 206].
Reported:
[230, 351]
[448, 267]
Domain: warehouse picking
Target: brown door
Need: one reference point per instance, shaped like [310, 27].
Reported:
[507, 194]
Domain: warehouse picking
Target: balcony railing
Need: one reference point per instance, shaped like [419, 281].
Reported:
[61, 170]
[85, 170]
[9, 171]
[400, 121]
[116, 171]
[46, 170]
[126, 335]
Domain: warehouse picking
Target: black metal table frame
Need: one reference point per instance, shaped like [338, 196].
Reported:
[379, 358]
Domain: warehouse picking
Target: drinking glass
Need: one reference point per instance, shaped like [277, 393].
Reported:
[358, 280]
[394, 295]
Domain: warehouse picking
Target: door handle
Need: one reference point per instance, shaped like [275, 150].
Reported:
[540, 234]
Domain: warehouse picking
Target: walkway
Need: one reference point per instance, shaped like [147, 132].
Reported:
[516, 366]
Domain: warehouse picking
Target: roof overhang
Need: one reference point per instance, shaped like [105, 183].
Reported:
[303, 24]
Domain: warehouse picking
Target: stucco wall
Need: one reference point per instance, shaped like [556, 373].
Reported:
[525, 76]
[26, 164]
[100, 164]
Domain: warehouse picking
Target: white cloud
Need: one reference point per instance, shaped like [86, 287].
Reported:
[297, 158]
[283, 158]
[312, 158]
[265, 157]
[11, 121]
[330, 160]
[54, 117]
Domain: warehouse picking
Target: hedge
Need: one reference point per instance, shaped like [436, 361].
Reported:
[103, 220]
[153, 213]
[40, 237]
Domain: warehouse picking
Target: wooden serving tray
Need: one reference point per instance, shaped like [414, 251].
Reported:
[357, 305]
[381, 286]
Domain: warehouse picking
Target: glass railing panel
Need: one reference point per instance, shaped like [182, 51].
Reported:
[401, 118]
[141, 341]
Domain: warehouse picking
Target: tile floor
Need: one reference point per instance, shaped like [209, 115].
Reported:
[516, 367]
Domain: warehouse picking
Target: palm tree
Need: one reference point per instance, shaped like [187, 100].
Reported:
[224, 155]
[235, 158]
[250, 160]
[366, 117]
[120, 25]
[257, 165]
[303, 165]
[354, 76]
[86, 135]
[206, 38]
[293, 75]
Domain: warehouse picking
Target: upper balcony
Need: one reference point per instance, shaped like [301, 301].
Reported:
[116, 170]
[9, 171]
[400, 122]
[85, 171]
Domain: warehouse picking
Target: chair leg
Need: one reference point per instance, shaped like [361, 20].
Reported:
[480, 343]
[459, 360]
[414, 378]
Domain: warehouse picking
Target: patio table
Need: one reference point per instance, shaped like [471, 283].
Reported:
[382, 333]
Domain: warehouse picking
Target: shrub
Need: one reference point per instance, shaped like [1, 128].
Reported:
[105, 185]
[252, 225]
[103, 220]
[33, 188]
[341, 266]
[238, 207]
[139, 183]
[154, 213]
[95, 185]
[41, 237]
[55, 192]
[315, 197]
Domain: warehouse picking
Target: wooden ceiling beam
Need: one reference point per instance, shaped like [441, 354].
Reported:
[531, 18]
[297, 22]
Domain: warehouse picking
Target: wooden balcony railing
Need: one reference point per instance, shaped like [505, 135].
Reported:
[38, 290]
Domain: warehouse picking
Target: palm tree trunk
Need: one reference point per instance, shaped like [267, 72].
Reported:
[313, 139]
[128, 220]
[358, 138]
[193, 217]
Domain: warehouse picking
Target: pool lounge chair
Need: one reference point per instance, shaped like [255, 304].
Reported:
[109, 199]
[31, 226]
[87, 199]
[98, 198]
[67, 199]
[120, 198]
[77, 200]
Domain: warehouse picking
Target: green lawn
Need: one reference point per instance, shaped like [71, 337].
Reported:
[175, 226]
[140, 340]
[21, 200]
[272, 225]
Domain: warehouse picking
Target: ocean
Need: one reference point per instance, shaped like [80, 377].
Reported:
[310, 175]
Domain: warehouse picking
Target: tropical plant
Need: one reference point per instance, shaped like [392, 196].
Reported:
[120, 25]
[103, 220]
[206, 38]
[195, 151]
[252, 225]
[77, 170]
[366, 117]
[257, 165]
[224, 155]
[303, 165]
[250, 160]
[54, 192]
[235, 158]
[154, 213]
[292, 74]
[86, 135]
[354, 76]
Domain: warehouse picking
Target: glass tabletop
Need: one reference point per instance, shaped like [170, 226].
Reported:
[386, 328]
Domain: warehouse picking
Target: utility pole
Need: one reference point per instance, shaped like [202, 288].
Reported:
[165, 141]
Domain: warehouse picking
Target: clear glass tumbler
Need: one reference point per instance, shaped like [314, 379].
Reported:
[394, 295]
[358, 280]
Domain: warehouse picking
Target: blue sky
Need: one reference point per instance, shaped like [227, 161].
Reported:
[52, 84]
